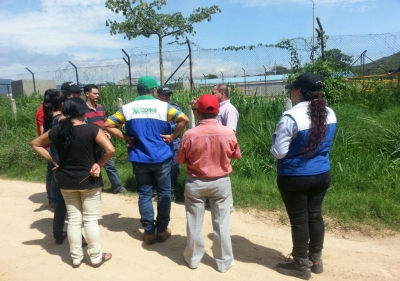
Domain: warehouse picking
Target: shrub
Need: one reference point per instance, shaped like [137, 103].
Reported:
[334, 78]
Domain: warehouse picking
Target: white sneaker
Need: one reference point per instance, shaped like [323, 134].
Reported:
[223, 271]
[189, 265]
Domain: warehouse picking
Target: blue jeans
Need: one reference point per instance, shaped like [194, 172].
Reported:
[146, 175]
[175, 169]
[111, 171]
[51, 185]
[60, 212]
[303, 197]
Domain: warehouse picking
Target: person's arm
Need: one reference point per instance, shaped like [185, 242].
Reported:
[285, 132]
[181, 121]
[38, 146]
[181, 155]
[232, 117]
[237, 154]
[40, 121]
[113, 130]
[193, 104]
[106, 145]
[41, 129]
[112, 124]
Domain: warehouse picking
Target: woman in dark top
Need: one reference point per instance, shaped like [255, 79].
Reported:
[52, 112]
[78, 176]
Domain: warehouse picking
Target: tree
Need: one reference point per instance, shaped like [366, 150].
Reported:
[211, 76]
[341, 60]
[335, 84]
[142, 19]
[279, 69]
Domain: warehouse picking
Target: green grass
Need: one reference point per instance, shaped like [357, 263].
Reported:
[365, 158]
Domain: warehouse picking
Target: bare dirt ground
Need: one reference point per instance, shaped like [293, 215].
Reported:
[28, 250]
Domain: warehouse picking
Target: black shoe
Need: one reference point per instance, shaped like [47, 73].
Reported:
[317, 267]
[295, 268]
[60, 240]
[52, 206]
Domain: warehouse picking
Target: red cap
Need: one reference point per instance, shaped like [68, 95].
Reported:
[208, 104]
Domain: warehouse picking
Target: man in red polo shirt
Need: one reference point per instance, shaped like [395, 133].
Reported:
[206, 150]
[95, 114]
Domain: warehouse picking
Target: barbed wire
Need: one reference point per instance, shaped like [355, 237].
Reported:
[220, 62]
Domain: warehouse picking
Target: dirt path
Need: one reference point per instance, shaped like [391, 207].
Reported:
[28, 251]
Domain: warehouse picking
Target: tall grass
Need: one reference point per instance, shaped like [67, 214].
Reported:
[365, 158]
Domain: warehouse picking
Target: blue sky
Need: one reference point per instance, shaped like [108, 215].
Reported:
[38, 33]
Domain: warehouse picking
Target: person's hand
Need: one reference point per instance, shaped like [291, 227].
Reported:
[107, 135]
[95, 170]
[54, 161]
[167, 138]
[129, 140]
[194, 102]
[56, 167]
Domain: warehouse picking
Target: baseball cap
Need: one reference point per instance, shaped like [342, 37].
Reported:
[146, 83]
[164, 91]
[70, 87]
[307, 81]
[208, 104]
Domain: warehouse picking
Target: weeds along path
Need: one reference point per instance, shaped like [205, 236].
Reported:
[28, 251]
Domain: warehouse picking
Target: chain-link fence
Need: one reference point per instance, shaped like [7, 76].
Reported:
[262, 68]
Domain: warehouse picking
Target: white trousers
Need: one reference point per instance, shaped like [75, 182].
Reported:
[219, 194]
[83, 206]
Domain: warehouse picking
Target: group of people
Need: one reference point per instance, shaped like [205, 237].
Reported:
[301, 145]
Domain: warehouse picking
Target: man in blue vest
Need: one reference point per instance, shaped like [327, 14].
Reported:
[147, 123]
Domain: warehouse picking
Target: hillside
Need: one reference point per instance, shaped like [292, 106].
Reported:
[379, 66]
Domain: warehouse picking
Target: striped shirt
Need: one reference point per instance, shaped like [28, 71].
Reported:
[207, 149]
[97, 116]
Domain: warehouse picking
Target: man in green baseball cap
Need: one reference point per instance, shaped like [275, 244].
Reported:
[146, 84]
[147, 122]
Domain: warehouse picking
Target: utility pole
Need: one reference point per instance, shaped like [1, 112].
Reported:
[313, 29]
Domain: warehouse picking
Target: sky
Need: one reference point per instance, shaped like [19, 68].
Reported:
[40, 33]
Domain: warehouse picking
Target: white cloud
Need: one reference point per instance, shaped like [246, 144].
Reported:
[263, 3]
[58, 25]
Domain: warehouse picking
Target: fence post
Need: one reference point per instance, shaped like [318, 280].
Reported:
[245, 86]
[76, 73]
[14, 108]
[33, 77]
[119, 103]
[265, 80]
[128, 62]
[192, 122]
[288, 104]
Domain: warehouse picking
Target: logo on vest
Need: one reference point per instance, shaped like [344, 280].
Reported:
[140, 110]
